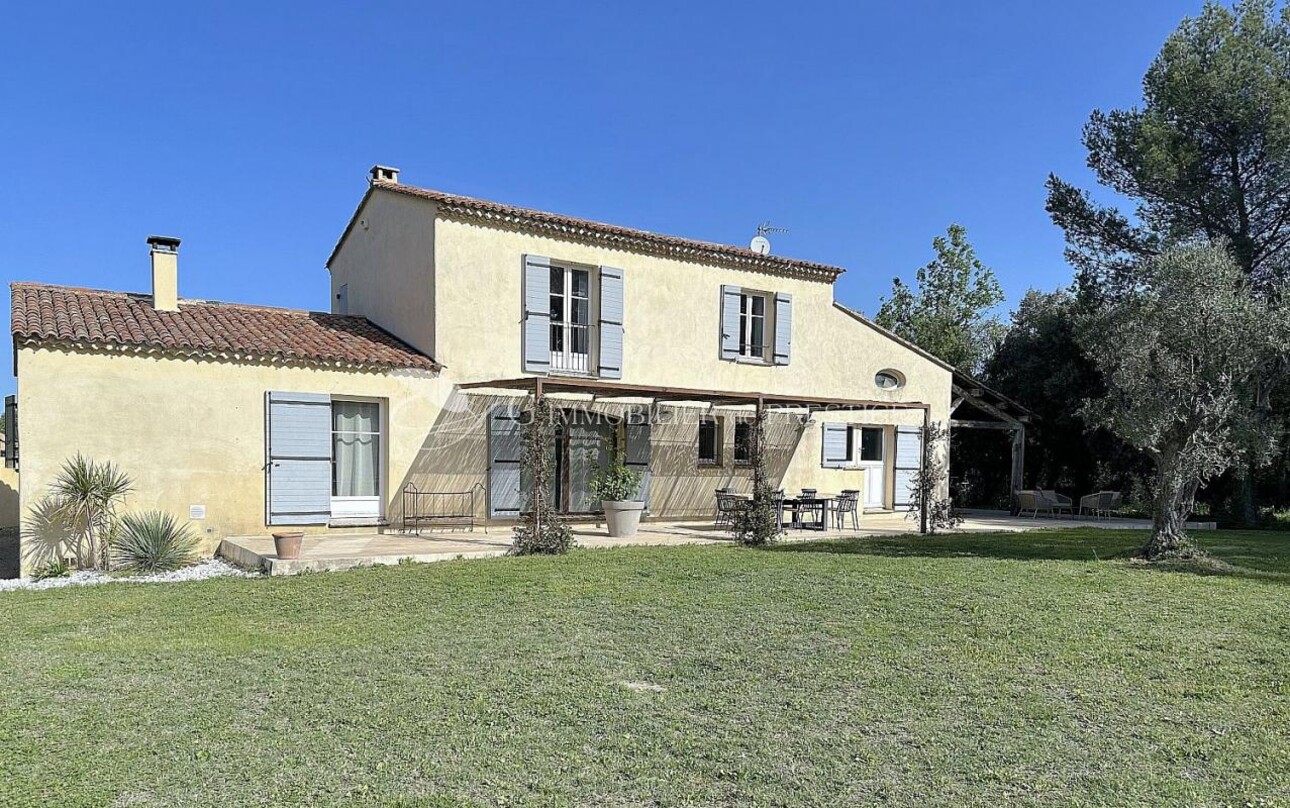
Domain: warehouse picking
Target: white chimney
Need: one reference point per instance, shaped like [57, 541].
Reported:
[381, 173]
[165, 272]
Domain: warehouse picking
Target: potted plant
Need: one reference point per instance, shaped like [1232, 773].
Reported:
[286, 543]
[618, 487]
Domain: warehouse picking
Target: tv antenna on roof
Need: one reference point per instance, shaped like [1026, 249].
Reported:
[760, 244]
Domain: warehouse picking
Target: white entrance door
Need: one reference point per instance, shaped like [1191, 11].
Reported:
[873, 455]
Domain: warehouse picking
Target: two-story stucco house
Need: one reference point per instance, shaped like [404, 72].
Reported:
[446, 311]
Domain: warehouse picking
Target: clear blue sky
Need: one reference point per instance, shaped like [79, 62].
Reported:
[247, 130]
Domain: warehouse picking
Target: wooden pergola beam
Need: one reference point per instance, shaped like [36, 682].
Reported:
[604, 390]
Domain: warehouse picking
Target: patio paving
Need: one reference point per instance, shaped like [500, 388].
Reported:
[348, 550]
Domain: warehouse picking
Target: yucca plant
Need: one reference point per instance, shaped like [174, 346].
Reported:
[152, 541]
[87, 493]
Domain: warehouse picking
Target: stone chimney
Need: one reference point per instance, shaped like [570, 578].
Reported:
[381, 173]
[165, 272]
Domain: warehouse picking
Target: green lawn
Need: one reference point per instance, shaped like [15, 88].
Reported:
[991, 670]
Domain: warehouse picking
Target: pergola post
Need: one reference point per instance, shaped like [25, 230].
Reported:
[536, 468]
[1018, 461]
[923, 483]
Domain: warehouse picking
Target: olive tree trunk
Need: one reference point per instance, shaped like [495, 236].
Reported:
[1174, 502]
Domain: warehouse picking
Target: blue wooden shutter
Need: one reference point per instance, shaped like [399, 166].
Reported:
[298, 467]
[11, 432]
[909, 459]
[637, 431]
[730, 321]
[833, 446]
[537, 314]
[504, 466]
[611, 323]
[783, 328]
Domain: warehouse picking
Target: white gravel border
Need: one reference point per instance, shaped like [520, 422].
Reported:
[207, 568]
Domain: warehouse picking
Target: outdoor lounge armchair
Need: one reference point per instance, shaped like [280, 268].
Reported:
[1102, 504]
[1034, 502]
[1059, 502]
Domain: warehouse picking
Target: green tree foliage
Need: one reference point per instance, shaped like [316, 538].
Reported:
[1207, 155]
[950, 312]
[1041, 364]
[757, 524]
[926, 484]
[541, 530]
[1181, 355]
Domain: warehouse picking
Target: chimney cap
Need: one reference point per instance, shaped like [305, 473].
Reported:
[380, 173]
[164, 243]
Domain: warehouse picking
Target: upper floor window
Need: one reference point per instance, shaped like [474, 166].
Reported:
[756, 326]
[889, 380]
[752, 325]
[571, 325]
[573, 318]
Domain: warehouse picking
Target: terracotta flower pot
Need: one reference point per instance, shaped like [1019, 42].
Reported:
[287, 544]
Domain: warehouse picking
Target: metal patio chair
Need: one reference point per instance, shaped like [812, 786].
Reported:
[848, 502]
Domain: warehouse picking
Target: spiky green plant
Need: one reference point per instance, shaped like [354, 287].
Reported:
[88, 493]
[152, 541]
[58, 568]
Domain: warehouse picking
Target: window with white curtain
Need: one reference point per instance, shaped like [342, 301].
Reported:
[356, 449]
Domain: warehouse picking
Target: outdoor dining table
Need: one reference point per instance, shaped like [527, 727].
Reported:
[817, 504]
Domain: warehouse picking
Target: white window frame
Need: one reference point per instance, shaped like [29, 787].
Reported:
[567, 361]
[371, 507]
[746, 317]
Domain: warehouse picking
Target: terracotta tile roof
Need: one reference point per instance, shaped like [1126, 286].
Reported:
[559, 226]
[93, 318]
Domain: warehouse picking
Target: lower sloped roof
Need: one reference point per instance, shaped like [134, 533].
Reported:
[94, 318]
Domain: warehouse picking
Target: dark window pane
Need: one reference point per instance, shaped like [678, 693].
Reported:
[580, 310]
[708, 441]
[757, 335]
[557, 309]
[557, 281]
[758, 305]
[557, 338]
[743, 439]
[871, 444]
[581, 283]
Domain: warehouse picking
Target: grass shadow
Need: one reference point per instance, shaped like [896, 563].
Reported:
[1256, 555]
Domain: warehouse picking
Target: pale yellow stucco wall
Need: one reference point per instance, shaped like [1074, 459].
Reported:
[671, 338]
[192, 432]
[672, 326]
[387, 263]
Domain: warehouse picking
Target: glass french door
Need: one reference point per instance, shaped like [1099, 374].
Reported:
[570, 320]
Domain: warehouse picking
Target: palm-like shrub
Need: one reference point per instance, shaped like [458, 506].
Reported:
[152, 541]
[87, 493]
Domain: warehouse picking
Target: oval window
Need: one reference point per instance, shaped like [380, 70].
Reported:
[889, 380]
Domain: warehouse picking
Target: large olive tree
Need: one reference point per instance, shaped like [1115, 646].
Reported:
[1182, 353]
